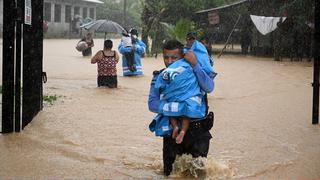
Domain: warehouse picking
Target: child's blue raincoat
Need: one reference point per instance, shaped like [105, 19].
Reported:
[180, 93]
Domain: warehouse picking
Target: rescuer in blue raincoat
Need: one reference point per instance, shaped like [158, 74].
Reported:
[197, 138]
[138, 48]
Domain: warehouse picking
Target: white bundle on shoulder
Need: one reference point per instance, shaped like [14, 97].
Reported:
[127, 41]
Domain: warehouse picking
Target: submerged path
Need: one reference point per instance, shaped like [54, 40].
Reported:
[262, 122]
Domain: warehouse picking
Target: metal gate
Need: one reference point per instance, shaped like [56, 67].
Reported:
[22, 63]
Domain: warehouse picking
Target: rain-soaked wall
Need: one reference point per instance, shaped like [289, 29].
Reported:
[1, 19]
[8, 67]
[32, 66]
[21, 72]
[1, 22]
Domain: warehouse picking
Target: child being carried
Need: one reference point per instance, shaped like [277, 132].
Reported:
[128, 40]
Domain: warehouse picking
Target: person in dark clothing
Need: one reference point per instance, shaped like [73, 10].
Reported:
[89, 40]
[197, 139]
[245, 41]
[196, 142]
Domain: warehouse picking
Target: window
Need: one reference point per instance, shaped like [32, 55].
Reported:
[85, 13]
[57, 13]
[47, 12]
[92, 13]
[76, 10]
[68, 14]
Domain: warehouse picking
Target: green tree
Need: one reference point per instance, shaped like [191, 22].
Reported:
[157, 15]
[153, 13]
[178, 9]
[114, 10]
[301, 11]
[180, 29]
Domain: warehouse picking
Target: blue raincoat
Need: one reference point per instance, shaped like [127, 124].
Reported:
[180, 93]
[140, 49]
[202, 56]
[161, 126]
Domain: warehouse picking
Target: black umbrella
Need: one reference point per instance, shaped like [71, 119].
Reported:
[105, 26]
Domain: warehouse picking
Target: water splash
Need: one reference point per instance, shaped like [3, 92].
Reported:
[203, 168]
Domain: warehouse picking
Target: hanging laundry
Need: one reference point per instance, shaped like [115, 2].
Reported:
[266, 25]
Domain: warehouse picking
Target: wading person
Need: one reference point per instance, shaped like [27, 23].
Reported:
[107, 60]
[89, 40]
[136, 49]
[197, 137]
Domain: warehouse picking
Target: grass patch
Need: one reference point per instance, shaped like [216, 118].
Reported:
[47, 98]
[50, 98]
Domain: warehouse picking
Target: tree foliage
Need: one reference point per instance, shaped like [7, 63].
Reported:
[171, 18]
[179, 31]
[163, 19]
[301, 11]
[114, 10]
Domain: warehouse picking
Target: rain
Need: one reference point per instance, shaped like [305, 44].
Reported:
[66, 115]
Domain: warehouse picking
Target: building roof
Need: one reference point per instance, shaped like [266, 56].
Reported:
[221, 7]
[94, 1]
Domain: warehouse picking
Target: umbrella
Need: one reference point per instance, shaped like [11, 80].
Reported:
[105, 26]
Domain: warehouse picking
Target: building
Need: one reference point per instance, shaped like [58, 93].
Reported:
[63, 17]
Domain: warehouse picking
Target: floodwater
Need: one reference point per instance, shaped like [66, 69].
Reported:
[262, 125]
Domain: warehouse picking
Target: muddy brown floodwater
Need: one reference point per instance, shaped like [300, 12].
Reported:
[262, 124]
